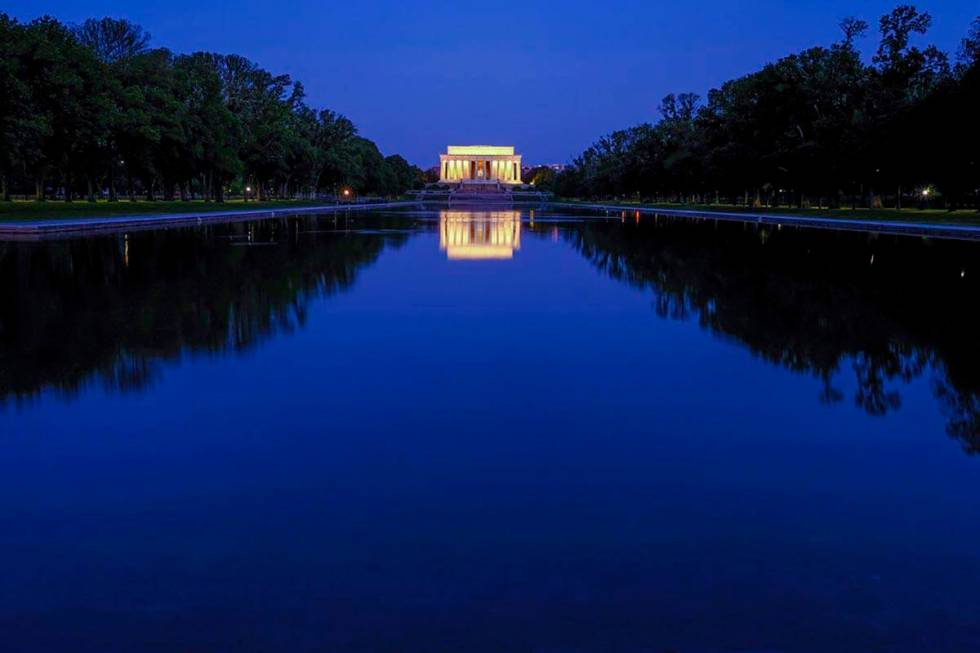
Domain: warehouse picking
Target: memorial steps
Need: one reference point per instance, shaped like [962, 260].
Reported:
[484, 194]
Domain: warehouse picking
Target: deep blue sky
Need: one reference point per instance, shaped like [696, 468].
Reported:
[548, 77]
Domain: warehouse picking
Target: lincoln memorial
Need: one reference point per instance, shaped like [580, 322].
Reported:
[469, 163]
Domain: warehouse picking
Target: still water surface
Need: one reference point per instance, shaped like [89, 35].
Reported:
[431, 431]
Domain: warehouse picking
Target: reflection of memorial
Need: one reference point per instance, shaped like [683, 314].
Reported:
[479, 234]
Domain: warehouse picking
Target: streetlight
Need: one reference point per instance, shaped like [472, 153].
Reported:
[926, 197]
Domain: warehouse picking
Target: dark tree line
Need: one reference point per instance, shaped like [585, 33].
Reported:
[818, 127]
[93, 109]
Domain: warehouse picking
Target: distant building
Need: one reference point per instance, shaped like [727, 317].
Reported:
[480, 163]
[557, 167]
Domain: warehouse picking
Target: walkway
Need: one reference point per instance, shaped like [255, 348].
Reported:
[959, 232]
[39, 229]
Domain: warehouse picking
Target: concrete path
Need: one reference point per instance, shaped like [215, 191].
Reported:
[964, 232]
[60, 228]
[54, 228]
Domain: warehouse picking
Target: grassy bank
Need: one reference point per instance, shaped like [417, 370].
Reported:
[20, 211]
[918, 216]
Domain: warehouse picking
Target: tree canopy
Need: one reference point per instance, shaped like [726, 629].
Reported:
[93, 109]
[819, 126]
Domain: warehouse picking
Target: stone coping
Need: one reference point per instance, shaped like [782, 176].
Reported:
[39, 229]
[55, 228]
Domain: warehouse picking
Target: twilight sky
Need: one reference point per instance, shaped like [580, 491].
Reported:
[549, 77]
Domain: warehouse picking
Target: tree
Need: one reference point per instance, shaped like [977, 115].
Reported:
[116, 43]
[853, 28]
[970, 47]
[15, 117]
[399, 176]
[907, 73]
[819, 125]
[330, 133]
[214, 129]
[111, 39]
[82, 104]
[68, 101]
[542, 178]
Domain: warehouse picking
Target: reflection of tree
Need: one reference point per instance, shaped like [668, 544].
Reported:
[813, 301]
[962, 412]
[112, 309]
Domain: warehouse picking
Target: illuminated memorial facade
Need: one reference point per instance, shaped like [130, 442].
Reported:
[480, 163]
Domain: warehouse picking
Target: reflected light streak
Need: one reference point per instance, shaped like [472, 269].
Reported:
[479, 235]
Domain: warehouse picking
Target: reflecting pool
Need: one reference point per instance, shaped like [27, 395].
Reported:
[533, 431]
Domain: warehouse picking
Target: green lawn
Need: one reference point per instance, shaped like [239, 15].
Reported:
[930, 216]
[28, 210]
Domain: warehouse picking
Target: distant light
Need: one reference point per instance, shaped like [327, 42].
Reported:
[248, 189]
[925, 192]
[346, 192]
[962, 274]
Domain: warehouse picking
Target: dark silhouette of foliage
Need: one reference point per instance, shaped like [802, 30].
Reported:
[90, 109]
[970, 48]
[112, 39]
[820, 127]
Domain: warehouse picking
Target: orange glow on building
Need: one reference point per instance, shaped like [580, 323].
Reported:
[480, 163]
